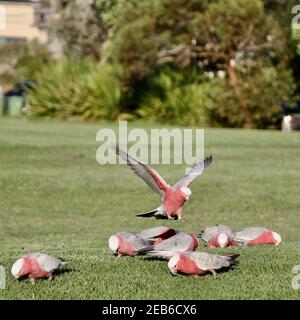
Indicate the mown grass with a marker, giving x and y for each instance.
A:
(55, 198)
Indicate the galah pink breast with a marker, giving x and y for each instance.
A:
(180, 242)
(157, 234)
(127, 243)
(173, 197)
(36, 266)
(218, 236)
(198, 263)
(257, 235)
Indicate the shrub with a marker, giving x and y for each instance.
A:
(70, 88)
(255, 102)
(21, 61)
(174, 102)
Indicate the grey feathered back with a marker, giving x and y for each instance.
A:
(179, 242)
(249, 233)
(154, 232)
(207, 261)
(46, 262)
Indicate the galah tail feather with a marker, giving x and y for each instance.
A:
(173, 197)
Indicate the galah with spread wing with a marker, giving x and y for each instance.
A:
(196, 263)
(257, 235)
(36, 266)
(157, 234)
(173, 197)
(127, 243)
(180, 242)
(218, 236)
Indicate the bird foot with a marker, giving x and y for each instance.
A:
(32, 280)
(213, 273)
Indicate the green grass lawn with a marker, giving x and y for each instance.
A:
(55, 198)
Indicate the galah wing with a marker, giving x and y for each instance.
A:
(209, 261)
(148, 174)
(48, 263)
(248, 234)
(180, 242)
(196, 170)
(157, 232)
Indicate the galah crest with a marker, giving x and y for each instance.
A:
(196, 263)
(257, 235)
(218, 236)
(36, 266)
(127, 243)
(173, 197)
(180, 242)
(157, 234)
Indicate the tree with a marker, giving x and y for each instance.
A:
(233, 39)
(79, 28)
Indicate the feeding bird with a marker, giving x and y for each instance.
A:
(218, 235)
(36, 266)
(257, 235)
(127, 243)
(196, 263)
(173, 197)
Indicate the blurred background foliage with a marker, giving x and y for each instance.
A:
(227, 63)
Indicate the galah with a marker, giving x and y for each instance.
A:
(173, 197)
(157, 234)
(257, 235)
(127, 243)
(196, 263)
(180, 242)
(218, 236)
(36, 266)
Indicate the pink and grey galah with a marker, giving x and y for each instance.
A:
(173, 197)
(218, 236)
(257, 235)
(196, 263)
(180, 242)
(127, 243)
(36, 266)
(132, 244)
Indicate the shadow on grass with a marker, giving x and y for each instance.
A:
(219, 271)
(60, 272)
